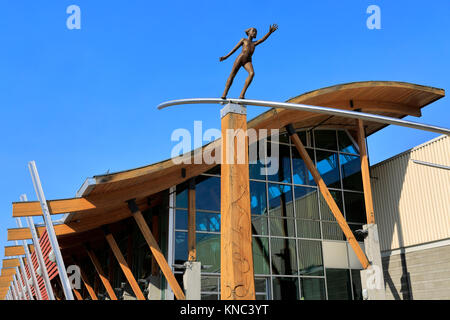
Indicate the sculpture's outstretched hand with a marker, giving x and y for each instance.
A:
(222, 58)
(273, 28)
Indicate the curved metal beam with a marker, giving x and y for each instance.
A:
(316, 109)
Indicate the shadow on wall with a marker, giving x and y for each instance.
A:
(389, 186)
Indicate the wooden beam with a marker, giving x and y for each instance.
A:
(123, 265)
(156, 251)
(7, 278)
(365, 173)
(8, 271)
(33, 208)
(236, 275)
(192, 252)
(328, 197)
(101, 273)
(11, 251)
(11, 263)
(85, 280)
(77, 294)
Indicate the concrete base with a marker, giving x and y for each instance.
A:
(372, 279)
(192, 280)
(154, 288)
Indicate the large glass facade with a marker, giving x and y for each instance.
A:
(295, 235)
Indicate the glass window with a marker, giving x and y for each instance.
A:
(308, 229)
(208, 251)
(261, 285)
(306, 203)
(327, 165)
(310, 258)
(325, 211)
(257, 170)
(332, 231)
(301, 173)
(258, 198)
(313, 289)
(282, 227)
(355, 208)
(338, 284)
(207, 193)
(204, 221)
(325, 139)
(285, 288)
(182, 196)
(351, 172)
(284, 258)
(356, 282)
(259, 225)
(209, 297)
(280, 200)
(209, 284)
(181, 247)
(283, 173)
(355, 228)
(303, 139)
(345, 143)
(261, 258)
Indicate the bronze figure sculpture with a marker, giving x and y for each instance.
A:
(244, 59)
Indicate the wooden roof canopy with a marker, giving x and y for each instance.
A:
(104, 203)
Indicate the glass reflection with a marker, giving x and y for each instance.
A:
(258, 198)
(300, 172)
(338, 284)
(313, 289)
(284, 165)
(207, 193)
(355, 208)
(345, 143)
(285, 288)
(351, 172)
(328, 167)
(325, 139)
(306, 204)
(284, 260)
(261, 259)
(208, 251)
(310, 258)
(280, 200)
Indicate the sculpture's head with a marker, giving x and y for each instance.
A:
(251, 32)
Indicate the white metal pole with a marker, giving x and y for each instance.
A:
(19, 293)
(13, 290)
(28, 257)
(51, 232)
(25, 276)
(22, 280)
(40, 259)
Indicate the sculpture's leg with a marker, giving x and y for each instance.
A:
(249, 67)
(233, 73)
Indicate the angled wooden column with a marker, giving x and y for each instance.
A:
(192, 251)
(328, 197)
(77, 294)
(101, 273)
(236, 256)
(156, 251)
(85, 280)
(365, 173)
(123, 264)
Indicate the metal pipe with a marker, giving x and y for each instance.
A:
(316, 109)
(16, 285)
(28, 257)
(40, 259)
(51, 232)
(21, 279)
(25, 276)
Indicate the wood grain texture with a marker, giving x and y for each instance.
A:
(237, 277)
(33, 208)
(124, 266)
(365, 173)
(14, 251)
(11, 263)
(102, 275)
(330, 201)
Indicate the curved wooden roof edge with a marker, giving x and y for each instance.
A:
(431, 94)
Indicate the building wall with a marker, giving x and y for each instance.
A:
(412, 201)
(418, 275)
(412, 210)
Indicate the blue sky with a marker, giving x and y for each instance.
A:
(82, 102)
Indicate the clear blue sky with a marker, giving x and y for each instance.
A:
(81, 102)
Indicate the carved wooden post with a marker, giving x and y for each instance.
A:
(237, 277)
